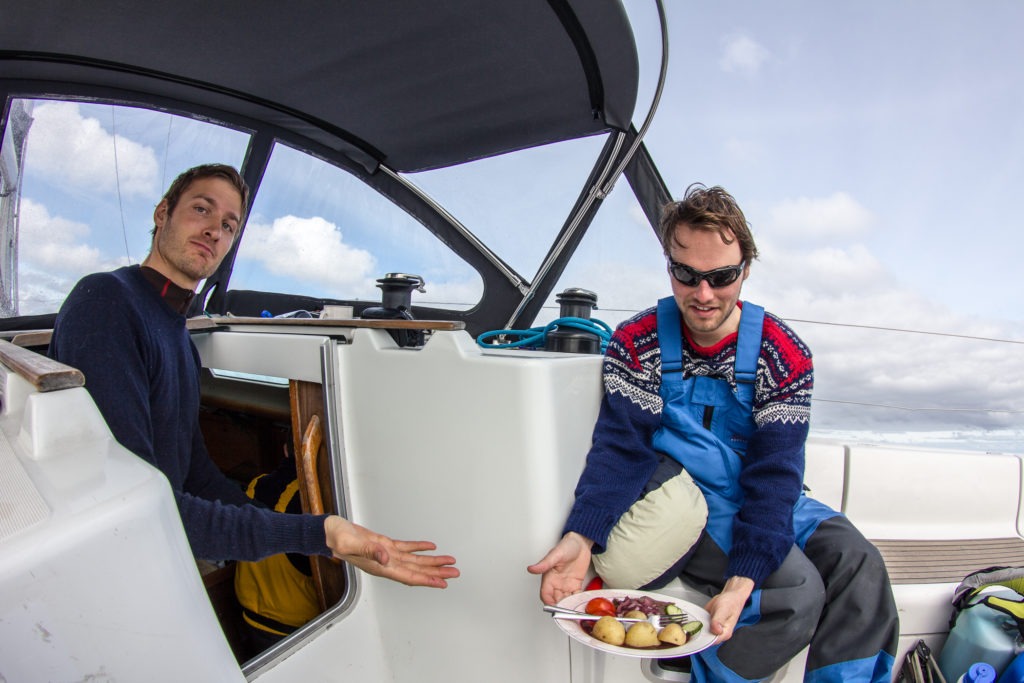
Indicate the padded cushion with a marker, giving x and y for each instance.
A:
(653, 534)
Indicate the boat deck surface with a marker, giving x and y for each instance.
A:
(947, 561)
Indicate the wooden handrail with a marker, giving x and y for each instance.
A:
(43, 373)
(35, 338)
(204, 323)
(309, 456)
(309, 484)
(200, 323)
(43, 337)
(390, 324)
(314, 472)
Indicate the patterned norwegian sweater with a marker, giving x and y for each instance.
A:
(622, 459)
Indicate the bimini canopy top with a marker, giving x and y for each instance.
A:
(410, 84)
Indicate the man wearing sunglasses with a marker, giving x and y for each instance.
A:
(696, 471)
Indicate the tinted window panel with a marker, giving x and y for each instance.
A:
(92, 174)
(316, 230)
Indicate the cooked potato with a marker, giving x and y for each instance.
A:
(642, 634)
(672, 634)
(634, 614)
(609, 630)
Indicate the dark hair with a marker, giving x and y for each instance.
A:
(183, 181)
(708, 208)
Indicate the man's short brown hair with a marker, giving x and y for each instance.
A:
(708, 208)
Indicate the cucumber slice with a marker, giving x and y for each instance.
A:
(673, 609)
(692, 628)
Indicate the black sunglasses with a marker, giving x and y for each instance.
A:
(719, 277)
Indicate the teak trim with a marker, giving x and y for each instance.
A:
(43, 373)
(390, 324)
(203, 323)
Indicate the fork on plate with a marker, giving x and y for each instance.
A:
(658, 621)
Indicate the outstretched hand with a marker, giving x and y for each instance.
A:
(564, 568)
(724, 609)
(382, 556)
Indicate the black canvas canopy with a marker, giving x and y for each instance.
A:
(371, 86)
(412, 84)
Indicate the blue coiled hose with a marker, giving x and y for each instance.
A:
(535, 337)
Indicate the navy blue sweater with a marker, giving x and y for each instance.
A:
(142, 370)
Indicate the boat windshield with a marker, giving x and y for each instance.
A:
(316, 230)
(516, 204)
(89, 175)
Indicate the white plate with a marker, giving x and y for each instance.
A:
(703, 640)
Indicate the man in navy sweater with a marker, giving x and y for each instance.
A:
(696, 470)
(125, 330)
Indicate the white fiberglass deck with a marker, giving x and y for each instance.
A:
(97, 581)
(476, 450)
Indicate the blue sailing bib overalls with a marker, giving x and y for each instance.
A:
(706, 424)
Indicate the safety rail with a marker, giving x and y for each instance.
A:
(43, 373)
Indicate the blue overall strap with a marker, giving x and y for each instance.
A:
(748, 349)
(670, 337)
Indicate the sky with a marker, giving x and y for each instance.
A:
(875, 148)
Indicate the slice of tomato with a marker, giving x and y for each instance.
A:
(601, 607)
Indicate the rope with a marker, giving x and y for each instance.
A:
(535, 337)
(117, 182)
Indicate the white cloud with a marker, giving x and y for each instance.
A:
(820, 275)
(742, 54)
(52, 257)
(831, 218)
(312, 250)
(866, 376)
(878, 376)
(870, 373)
(913, 381)
(76, 151)
(41, 292)
(49, 242)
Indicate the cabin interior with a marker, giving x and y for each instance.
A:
(253, 429)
